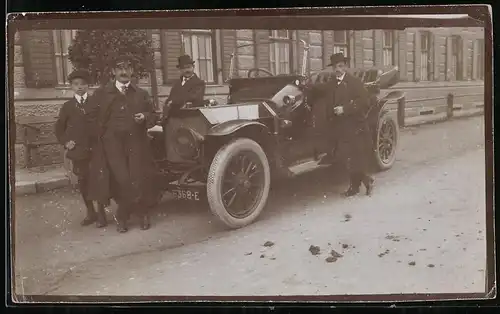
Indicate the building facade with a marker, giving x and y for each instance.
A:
(422, 55)
(432, 62)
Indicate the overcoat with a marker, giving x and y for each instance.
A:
(348, 131)
(192, 91)
(141, 169)
(355, 140)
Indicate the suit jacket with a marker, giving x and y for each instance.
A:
(192, 91)
(73, 125)
(352, 95)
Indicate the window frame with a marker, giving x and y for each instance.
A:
(342, 46)
(456, 59)
(61, 53)
(480, 58)
(274, 40)
(388, 47)
(425, 37)
(189, 33)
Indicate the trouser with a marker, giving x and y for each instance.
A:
(357, 160)
(119, 154)
(81, 170)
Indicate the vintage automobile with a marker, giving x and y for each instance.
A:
(227, 154)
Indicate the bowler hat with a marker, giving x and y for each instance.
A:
(184, 60)
(336, 58)
(82, 74)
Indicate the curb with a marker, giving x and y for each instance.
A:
(26, 188)
(442, 117)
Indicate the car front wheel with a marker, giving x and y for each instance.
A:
(238, 182)
(386, 142)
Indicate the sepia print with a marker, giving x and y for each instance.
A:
(251, 156)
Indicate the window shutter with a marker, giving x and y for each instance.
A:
(39, 63)
(378, 41)
(228, 45)
(262, 51)
(173, 49)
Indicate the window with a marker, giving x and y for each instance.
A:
(280, 51)
(198, 43)
(456, 51)
(62, 41)
(388, 48)
(425, 56)
(480, 59)
(341, 42)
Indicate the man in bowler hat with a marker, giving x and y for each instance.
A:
(188, 90)
(350, 106)
(124, 167)
(73, 130)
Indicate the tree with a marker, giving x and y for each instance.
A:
(94, 50)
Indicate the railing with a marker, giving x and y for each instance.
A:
(449, 104)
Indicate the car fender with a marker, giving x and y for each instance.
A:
(229, 127)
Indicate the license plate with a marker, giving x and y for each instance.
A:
(188, 195)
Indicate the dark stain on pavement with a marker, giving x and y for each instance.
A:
(315, 250)
(384, 253)
(269, 243)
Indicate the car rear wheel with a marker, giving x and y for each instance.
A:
(238, 182)
(386, 142)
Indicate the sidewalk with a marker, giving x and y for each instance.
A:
(32, 181)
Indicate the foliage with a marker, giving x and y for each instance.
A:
(94, 50)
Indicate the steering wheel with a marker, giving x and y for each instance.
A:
(256, 71)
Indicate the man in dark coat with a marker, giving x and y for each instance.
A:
(73, 131)
(188, 90)
(124, 166)
(350, 106)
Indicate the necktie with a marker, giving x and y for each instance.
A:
(183, 81)
(124, 89)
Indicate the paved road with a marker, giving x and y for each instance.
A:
(421, 232)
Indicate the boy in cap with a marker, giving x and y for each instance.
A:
(73, 132)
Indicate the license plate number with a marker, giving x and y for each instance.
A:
(186, 195)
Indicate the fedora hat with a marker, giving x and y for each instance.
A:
(184, 60)
(336, 58)
(81, 74)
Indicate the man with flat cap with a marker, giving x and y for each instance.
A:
(188, 90)
(348, 117)
(125, 167)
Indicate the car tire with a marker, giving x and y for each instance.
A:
(386, 139)
(219, 181)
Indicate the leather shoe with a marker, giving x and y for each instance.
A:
(101, 221)
(145, 223)
(351, 192)
(88, 220)
(121, 227)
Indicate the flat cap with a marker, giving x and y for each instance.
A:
(123, 59)
(82, 74)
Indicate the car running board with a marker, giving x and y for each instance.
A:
(307, 166)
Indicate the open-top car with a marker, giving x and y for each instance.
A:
(227, 154)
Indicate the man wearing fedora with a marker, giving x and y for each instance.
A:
(348, 116)
(123, 166)
(188, 90)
